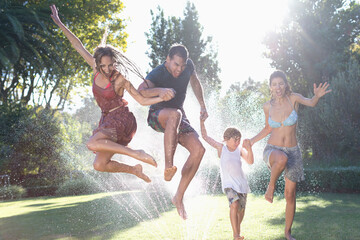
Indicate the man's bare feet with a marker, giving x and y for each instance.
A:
(169, 173)
(139, 173)
(180, 207)
(289, 237)
(269, 194)
(146, 158)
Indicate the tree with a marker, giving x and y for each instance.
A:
(320, 42)
(314, 43)
(187, 31)
(31, 144)
(27, 54)
(37, 63)
(335, 122)
(242, 104)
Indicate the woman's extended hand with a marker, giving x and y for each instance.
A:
(54, 14)
(321, 90)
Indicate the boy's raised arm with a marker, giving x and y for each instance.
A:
(208, 139)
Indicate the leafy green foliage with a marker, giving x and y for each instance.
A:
(320, 42)
(12, 192)
(78, 187)
(242, 104)
(335, 121)
(37, 63)
(313, 44)
(187, 31)
(31, 144)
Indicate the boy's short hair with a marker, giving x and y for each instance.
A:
(231, 133)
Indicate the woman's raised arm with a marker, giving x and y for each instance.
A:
(75, 42)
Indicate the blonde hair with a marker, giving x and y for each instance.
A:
(231, 133)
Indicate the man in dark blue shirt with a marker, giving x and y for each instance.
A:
(173, 77)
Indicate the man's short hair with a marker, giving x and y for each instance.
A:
(178, 50)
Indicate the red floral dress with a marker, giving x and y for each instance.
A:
(116, 120)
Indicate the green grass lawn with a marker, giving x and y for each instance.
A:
(140, 215)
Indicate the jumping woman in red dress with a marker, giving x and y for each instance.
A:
(117, 125)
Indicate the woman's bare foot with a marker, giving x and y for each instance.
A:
(169, 173)
(139, 173)
(179, 207)
(239, 238)
(269, 194)
(288, 236)
(146, 158)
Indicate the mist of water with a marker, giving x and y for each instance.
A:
(156, 196)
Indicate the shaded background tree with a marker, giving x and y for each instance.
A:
(314, 42)
(37, 63)
(39, 69)
(319, 42)
(187, 31)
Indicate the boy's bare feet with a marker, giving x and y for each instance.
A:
(146, 158)
(139, 173)
(169, 173)
(269, 194)
(180, 207)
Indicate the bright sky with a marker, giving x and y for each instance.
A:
(237, 27)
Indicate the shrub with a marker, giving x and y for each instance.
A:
(331, 129)
(12, 192)
(334, 179)
(210, 176)
(78, 187)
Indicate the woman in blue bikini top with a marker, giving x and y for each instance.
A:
(279, 152)
(283, 133)
(289, 121)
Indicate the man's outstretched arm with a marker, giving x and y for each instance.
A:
(198, 91)
(148, 89)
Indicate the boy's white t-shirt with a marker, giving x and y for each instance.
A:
(232, 175)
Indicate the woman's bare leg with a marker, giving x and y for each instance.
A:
(278, 162)
(290, 196)
(101, 143)
(103, 163)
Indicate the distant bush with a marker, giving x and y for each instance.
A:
(331, 129)
(334, 179)
(41, 191)
(210, 176)
(78, 187)
(12, 192)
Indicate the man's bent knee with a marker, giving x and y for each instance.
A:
(99, 166)
(174, 114)
(201, 151)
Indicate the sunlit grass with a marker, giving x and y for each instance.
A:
(138, 215)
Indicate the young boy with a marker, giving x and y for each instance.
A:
(233, 179)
